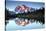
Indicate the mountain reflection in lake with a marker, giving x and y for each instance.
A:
(23, 24)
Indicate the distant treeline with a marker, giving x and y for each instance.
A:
(38, 15)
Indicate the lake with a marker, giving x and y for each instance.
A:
(12, 26)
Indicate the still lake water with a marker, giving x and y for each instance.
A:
(12, 26)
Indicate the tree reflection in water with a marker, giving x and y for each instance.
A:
(6, 22)
(24, 21)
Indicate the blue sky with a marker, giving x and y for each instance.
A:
(28, 0)
(11, 5)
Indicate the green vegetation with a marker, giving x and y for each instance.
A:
(36, 15)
